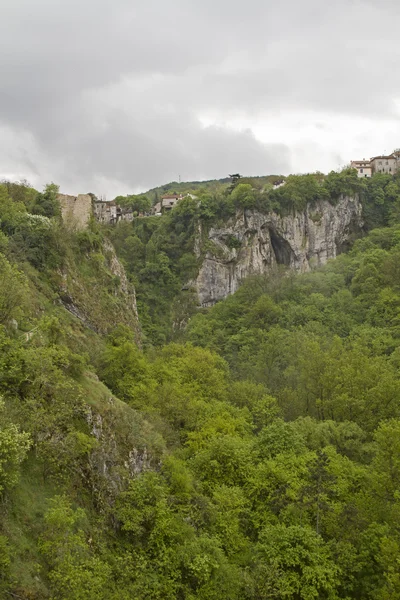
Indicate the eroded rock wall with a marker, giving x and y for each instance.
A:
(254, 243)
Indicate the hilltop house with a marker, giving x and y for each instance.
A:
(168, 202)
(384, 164)
(363, 167)
(111, 212)
(377, 164)
(278, 183)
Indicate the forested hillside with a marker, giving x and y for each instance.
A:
(249, 451)
(162, 255)
(212, 186)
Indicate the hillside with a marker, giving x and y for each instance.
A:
(201, 250)
(210, 185)
(246, 451)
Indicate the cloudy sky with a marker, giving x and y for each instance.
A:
(117, 96)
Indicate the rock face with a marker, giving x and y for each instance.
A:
(254, 243)
(118, 270)
(102, 297)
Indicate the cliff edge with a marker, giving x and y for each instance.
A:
(252, 243)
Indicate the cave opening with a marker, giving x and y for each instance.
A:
(282, 250)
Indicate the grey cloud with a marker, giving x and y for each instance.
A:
(109, 92)
(139, 158)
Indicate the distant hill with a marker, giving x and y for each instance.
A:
(210, 185)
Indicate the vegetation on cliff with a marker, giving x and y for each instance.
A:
(256, 457)
(159, 252)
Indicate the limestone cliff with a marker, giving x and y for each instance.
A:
(253, 243)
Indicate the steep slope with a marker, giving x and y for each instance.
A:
(96, 290)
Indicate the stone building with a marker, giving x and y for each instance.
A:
(77, 210)
(111, 213)
(364, 168)
(384, 164)
(377, 164)
(168, 202)
(105, 212)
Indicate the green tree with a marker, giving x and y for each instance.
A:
(75, 571)
(14, 446)
(47, 203)
(13, 290)
(293, 562)
(244, 196)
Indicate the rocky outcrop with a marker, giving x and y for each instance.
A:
(254, 243)
(113, 462)
(96, 290)
(118, 271)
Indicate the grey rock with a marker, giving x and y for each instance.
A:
(253, 243)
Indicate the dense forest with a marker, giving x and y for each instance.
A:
(250, 453)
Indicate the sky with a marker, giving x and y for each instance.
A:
(118, 96)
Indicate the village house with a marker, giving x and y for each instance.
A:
(384, 164)
(364, 168)
(278, 183)
(168, 202)
(157, 209)
(110, 212)
(105, 212)
(377, 164)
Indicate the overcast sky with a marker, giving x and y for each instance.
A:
(117, 96)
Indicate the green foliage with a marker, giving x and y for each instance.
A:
(20, 192)
(293, 562)
(163, 254)
(298, 192)
(13, 291)
(14, 446)
(137, 203)
(126, 372)
(47, 204)
(158, 255)
(257, 458)
(75, 572)
(243, 196)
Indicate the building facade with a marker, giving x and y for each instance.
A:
(364, 168)
(110, 212)
(168, 202)
(384, 164)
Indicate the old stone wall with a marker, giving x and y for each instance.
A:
(76, 210)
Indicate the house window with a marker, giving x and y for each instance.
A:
(390, 169)
(361, 170)
(387, 162)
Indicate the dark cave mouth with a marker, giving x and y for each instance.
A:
(282, 250)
